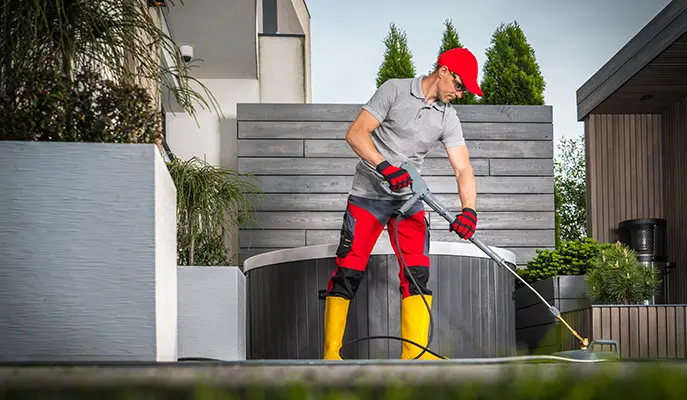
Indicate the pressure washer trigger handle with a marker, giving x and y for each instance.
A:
(386, 187)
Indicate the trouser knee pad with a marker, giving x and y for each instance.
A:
(408, 287)
(344, 282)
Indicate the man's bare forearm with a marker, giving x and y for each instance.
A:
(467, 188)
(361, 143)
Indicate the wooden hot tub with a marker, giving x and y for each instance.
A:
(473, 311)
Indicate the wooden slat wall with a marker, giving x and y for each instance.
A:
(624, 170)
(582, 322)
(675, 164)
(306, 168)
(636, 169)
(642, 332)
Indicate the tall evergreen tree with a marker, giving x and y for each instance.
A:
(511, 73)
(450, 40)
(570, 185)
(398, 60)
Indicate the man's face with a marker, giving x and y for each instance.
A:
(451, 86)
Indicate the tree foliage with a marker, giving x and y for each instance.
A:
(511, 72)
(398, 60)
(118, 38)
(451, 40)
(570, 186)
(46, 105)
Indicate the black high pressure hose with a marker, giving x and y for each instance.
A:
(429, 310)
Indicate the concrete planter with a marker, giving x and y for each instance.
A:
(87, 253)
(212, 313)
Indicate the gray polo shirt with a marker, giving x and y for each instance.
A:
(409, 128)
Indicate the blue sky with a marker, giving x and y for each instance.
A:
(571, 39)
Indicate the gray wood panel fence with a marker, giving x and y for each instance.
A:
(306, 169)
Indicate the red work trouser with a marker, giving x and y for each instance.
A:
(363, 222)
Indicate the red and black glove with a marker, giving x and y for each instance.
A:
(465, 223)
(398, 178)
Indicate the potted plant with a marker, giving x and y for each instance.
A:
(87, 223)
(212, 202)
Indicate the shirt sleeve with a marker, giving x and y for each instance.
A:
(452, 135)
(381, 101)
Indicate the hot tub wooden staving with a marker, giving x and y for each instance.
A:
(473, 311)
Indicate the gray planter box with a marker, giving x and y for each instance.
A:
(537, 331)
(212, 313)
(87, 253)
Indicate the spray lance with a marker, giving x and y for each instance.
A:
(421, 192)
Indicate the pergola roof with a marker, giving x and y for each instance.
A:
(647, 75)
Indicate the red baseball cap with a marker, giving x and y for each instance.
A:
(463, 63)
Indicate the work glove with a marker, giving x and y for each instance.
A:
(398, 178)
(465, 223)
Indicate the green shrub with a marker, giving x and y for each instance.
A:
(617, 277)
(210, 201)
(572, 258)
(47, 105)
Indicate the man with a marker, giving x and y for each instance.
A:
(401, 122)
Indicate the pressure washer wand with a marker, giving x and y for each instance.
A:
(436, 205)
(422, 192)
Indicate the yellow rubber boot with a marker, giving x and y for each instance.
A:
(415, 327)
(335, 314)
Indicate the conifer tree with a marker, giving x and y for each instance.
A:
(398, 60)
(511, 73)
(570, 185)
(450, 40)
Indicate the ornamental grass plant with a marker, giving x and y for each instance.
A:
(210, 201)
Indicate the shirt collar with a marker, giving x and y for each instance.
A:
(416, 90)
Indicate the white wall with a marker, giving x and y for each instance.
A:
(287, 17)
(211, 138)
(282, 71)
(304, 18)
(222, 33)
